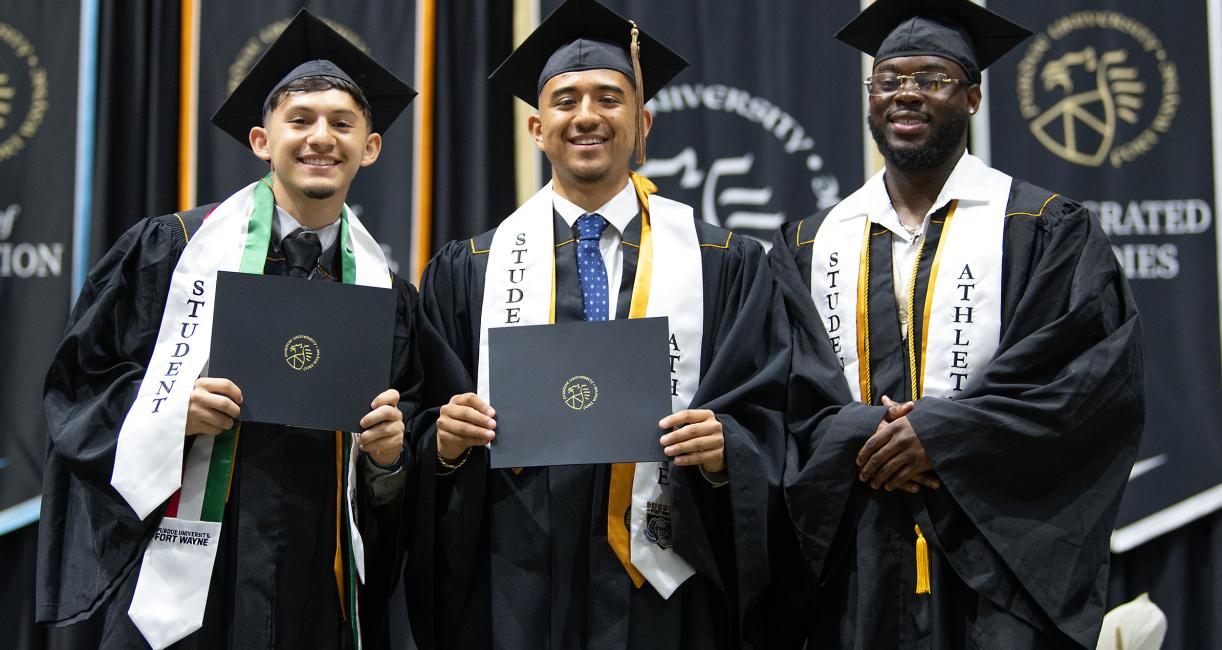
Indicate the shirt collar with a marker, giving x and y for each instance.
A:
(965, 183)
(285, 224)
(619, 211)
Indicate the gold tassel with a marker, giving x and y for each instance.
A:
(635, 51)
(922, 563)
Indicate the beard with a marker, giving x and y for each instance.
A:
(943, 144)
(318, 192)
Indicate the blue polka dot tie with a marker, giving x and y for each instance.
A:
(591, 270)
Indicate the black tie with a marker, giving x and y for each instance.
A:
(301, 251)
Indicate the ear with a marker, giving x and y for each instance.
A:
(373, 148)
(646, 121)
(534, 125)
(259, 143)
(973, 98)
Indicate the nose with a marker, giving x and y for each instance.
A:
(908, 87)
(320, 135)
(586, 117)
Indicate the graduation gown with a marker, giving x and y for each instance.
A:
(1032, 459)
(521, 560)
(273, 583)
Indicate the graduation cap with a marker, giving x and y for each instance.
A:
(959, 30)
(309, 47)
(585, 35)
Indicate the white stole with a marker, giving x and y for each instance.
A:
(176, 569)
(962, 311)
(519, 289)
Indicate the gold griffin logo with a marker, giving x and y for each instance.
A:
(301, 352)
(23, 91)
(258, 43)
(579, 393)
(1089, 103)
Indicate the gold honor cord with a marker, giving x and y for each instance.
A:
(933, 277)
(619, 496)
(338, 564)
(916, 375)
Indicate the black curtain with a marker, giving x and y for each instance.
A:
(136, 161)
(473, 163)
(135, 175)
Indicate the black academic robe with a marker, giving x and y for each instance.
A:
(1033, 459)
(273, 584)
(521, 560)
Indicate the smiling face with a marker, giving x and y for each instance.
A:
(914, 130)
(587, 127)
(315, 142)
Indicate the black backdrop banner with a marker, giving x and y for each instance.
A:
(38, 89)
(1109, 103)
(753, 134)
(136, 122)
(381, 193)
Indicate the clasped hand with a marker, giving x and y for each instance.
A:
(894, 458)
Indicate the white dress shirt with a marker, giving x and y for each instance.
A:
(618, 212)
(904, 245)
(285, 224)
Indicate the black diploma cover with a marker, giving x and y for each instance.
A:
(583, 392)
(304, 353)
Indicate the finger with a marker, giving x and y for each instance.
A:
(903, 477)
(880, 438)
(220, 386)
(384, 413)
(213, 420)
(703, 458)
(880, 457)
(701, 444)
(460, 429)
(927, 479)
(887, 470)
(686, 416)
(381, 431)
(468, 415)
(380, 441)
(690, 431)
(389, 397)
(216, 402)
(895, 410)
(475, 402)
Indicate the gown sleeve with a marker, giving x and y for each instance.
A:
(730, 533)
(448, 509)
(1037, 454)
(385, 512)
(88, 535)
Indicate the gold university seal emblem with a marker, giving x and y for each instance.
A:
(301, 352)
(579, 393)
(1097, 86)
(23, 91)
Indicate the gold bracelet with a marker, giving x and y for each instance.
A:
(451, 466)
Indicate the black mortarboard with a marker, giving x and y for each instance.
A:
(959, 30)
(584, 35)
(309, 47)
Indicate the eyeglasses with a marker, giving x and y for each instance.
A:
(928, 83)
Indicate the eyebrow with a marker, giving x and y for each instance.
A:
(303, 107)
(933, 66)
(612, 88)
